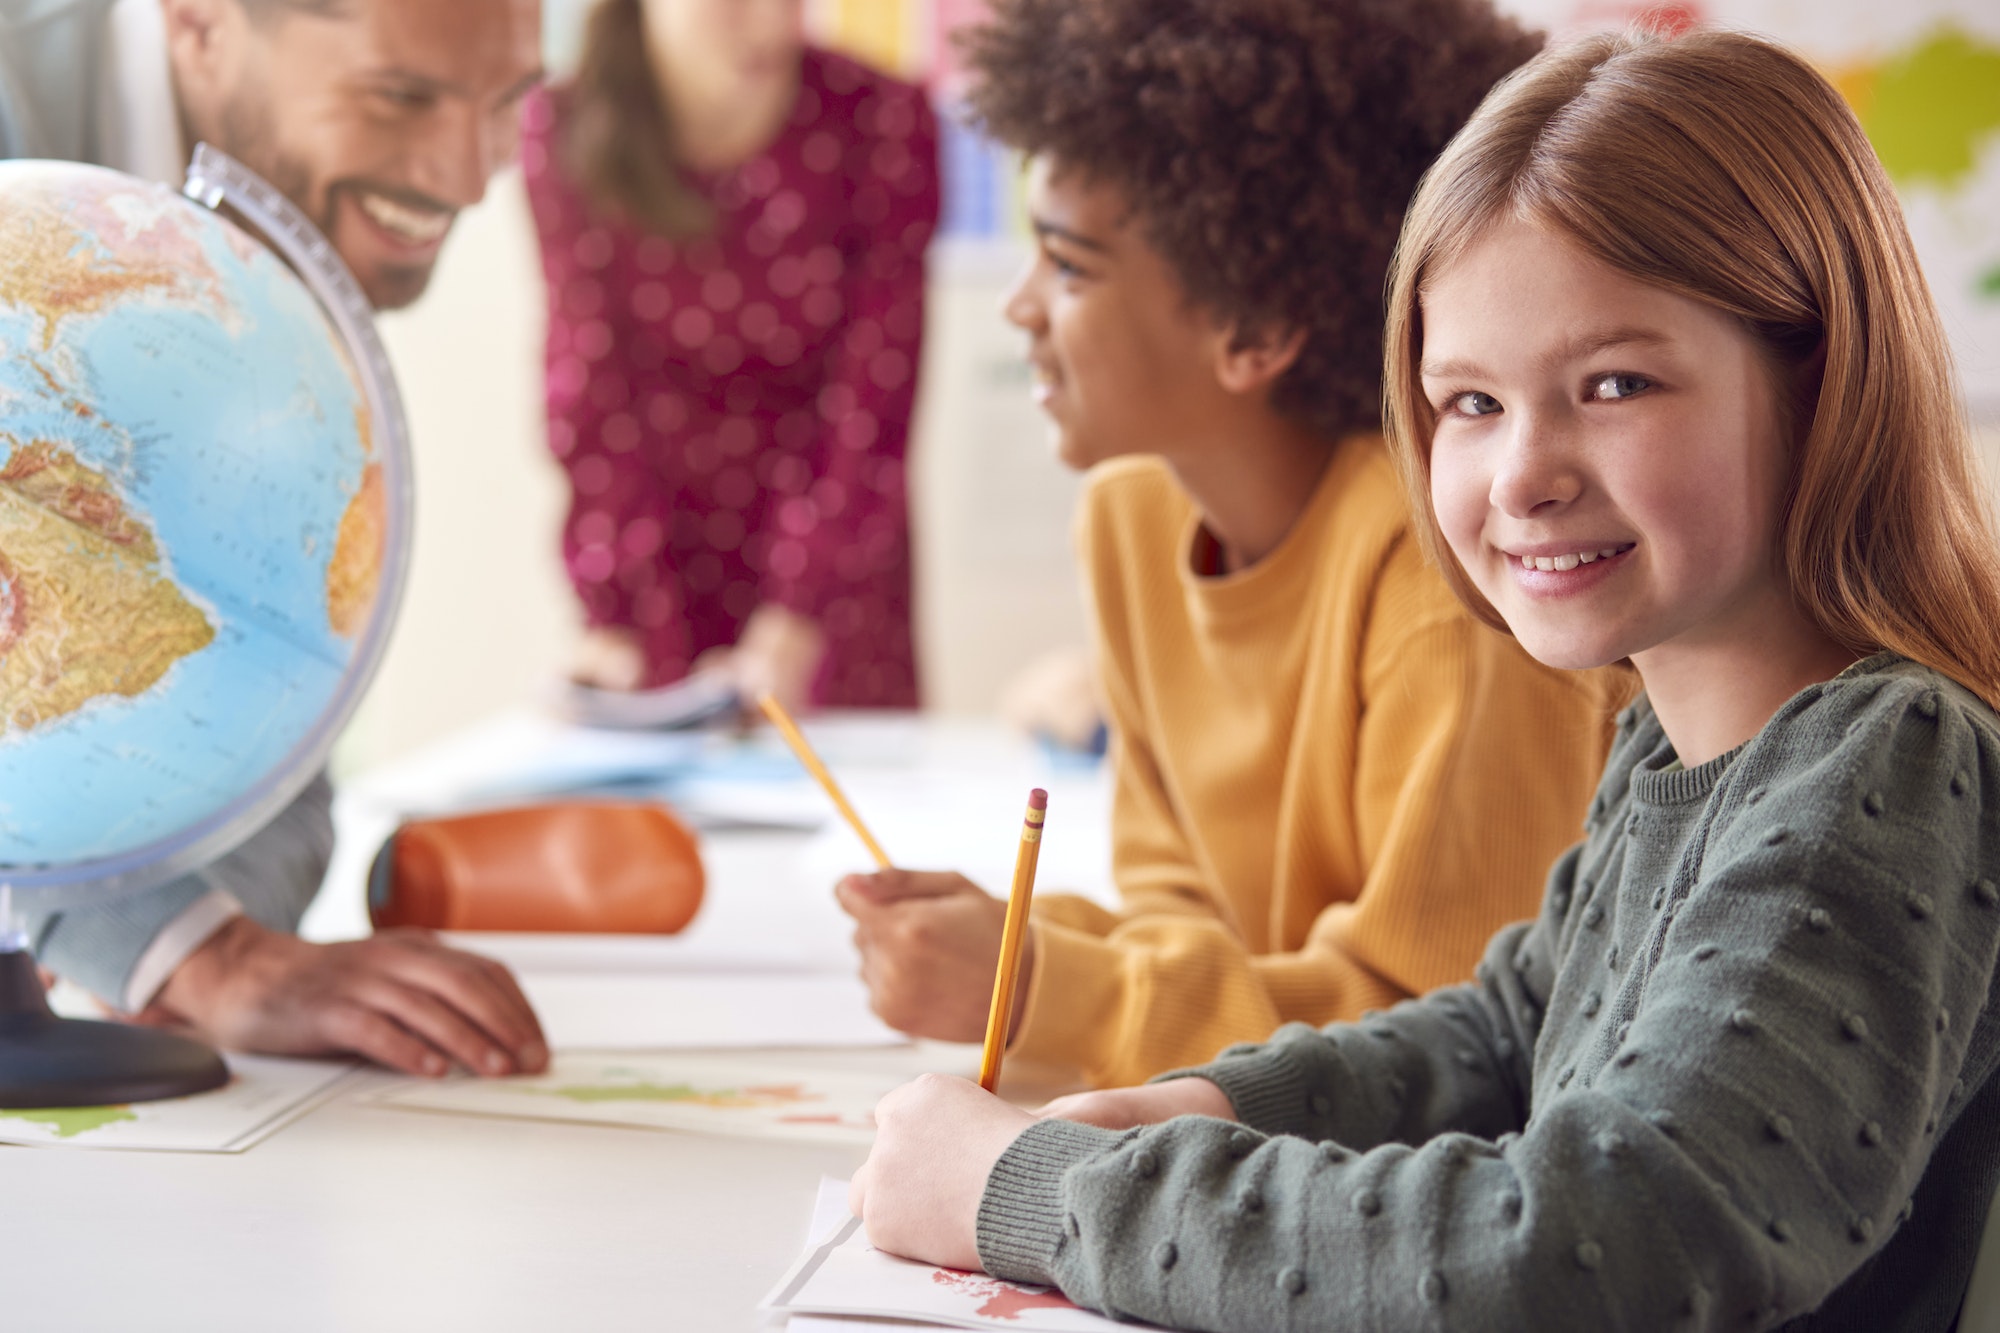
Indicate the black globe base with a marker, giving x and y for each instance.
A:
(47, 1061)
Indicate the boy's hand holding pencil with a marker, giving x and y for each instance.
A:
(928, 939)
(938, 1138)
(928, 943)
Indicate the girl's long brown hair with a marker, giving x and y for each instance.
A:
(1722, 167)
(615, 140)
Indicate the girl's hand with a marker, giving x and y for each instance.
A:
(1127, 1108)
(936, 1140)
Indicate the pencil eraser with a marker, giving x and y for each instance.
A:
(1038, 799)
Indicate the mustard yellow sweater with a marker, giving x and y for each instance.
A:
(1332, 785)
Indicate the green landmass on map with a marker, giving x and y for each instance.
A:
(70, 1121)
(1931, 108)
(683, 1093)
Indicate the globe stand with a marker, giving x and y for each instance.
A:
(47, 1061)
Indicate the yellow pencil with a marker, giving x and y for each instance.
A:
(1001, 1016)
(796, 739)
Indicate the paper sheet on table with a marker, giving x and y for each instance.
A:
(842, 1274)
(263, 1093)
(829, 1215)
(640, 1012)
(691, 702)
(715, 1095)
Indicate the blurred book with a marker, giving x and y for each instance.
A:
(695, 701)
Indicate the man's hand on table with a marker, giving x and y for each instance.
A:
(930, 943)
(401, 998)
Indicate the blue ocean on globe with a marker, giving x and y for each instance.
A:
(217, 406)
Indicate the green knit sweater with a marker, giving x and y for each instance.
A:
(1738, 1074)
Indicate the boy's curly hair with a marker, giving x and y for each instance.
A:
(1268, 148)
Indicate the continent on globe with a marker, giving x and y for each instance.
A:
(85, 611)
(48, 272)
(356, 567)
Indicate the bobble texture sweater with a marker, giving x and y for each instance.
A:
(1738, 1074)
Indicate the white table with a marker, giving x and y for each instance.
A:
(359, 1217)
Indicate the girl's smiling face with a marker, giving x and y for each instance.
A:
(1609, 460)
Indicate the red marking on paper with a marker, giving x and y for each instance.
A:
(1001, 1300)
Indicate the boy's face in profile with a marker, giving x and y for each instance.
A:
(1124, 363)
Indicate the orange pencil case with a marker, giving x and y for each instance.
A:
(627, 867)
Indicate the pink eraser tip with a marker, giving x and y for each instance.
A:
(1038, 799)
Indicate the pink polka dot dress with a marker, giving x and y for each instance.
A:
(733, 410)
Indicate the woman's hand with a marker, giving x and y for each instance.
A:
(936, 1141)
(1149, 1104)
(778, 650)
(609, 658)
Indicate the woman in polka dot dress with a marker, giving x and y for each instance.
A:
(733, 229)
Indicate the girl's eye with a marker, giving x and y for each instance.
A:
(1606, 387)
(1474, 404)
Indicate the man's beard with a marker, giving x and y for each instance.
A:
(250, 142)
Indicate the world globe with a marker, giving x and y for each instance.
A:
(204, 519)
(195, 525)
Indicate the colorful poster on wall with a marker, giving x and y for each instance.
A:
(1923, 77)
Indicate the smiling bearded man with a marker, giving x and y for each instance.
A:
(381, 119)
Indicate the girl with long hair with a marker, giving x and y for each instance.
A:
(1667, 388)
(733, 227)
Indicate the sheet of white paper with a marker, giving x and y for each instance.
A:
(716, 1095)
(262, 1094)
(829, 1210)
(843, 1275)
(829, 1215)
(689, 702)
(847, 1323)
(639, 1012)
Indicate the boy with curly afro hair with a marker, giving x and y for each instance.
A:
(1317, 753)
